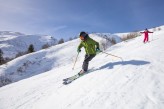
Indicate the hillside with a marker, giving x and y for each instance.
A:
(134, 83)
(44, 60)
(11, 43)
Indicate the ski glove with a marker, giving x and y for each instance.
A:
(78, 50)
(98, 50)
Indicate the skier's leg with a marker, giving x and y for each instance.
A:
(86, 61)
(144, 39)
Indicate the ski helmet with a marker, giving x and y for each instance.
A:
(83, 35)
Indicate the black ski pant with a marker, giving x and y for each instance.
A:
(88, 57)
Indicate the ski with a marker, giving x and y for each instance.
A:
(74, 77)
(71, 79)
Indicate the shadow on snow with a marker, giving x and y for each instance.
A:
(130, 62)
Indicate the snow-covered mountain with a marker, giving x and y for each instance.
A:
(11, 43)
(134, 83)
(114, 37)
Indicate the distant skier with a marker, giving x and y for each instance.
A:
(146, 38)
(91, 48)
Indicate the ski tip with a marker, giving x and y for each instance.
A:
(66, 83)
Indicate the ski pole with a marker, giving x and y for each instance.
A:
(75, 61)
(112, 55)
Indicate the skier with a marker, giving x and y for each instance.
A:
(91, 48)
(146, 38)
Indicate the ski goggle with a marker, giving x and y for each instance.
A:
(82, 37)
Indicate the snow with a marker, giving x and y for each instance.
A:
(11, 43)
(134, 83)
(116, 37)
(42, 61)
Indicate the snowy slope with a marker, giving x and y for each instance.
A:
(38, 62)
(135, 83)
(41, 61)
(11, 43)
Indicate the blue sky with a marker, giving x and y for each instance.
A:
(66, 18)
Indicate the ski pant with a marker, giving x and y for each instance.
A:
(146, 38)
(88, 57)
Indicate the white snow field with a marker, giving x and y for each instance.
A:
(137, 82)
(11, 43)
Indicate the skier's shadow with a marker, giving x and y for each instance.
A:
(130, 62)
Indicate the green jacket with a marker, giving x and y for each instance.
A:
(89, 45)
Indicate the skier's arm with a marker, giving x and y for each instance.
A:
(80, 46)
(97, 44)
